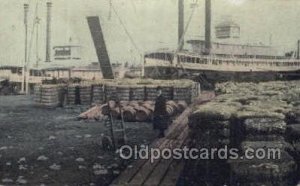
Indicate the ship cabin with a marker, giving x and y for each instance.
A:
(222, 54)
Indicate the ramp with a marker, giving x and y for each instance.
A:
(97, 35)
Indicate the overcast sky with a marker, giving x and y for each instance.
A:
(151, 23)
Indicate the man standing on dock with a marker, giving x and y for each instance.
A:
(160, 119)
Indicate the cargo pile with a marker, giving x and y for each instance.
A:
(131, 111)
(249, 115)
(88, 93)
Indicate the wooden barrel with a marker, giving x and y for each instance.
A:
(150, 92)
(148, 106)
(173, 104)
(129, 113)
(123, 92)
(170, 110)
(124, 103)
(182, 105)
(137, 93)
(134, 104)
(143, 114)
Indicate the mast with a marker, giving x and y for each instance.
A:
(26, 9)
(180, 24)
(207, 26)
(48, 33)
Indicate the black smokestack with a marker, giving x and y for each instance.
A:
(48, 33)
(298, 49)
(207, 26)
(180, 24)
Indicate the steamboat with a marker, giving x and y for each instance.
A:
(213, 62)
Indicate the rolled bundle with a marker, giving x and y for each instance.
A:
(91, 113)
(109, 106)
(182, 105)
(129, 113)
(143, 114)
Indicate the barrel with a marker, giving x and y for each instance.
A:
(137, 93)
(182, 105)
(148, 106)
(123, 92)
(129, 113)
(123, 103)
(143, 114)
(173, 104)
(170, 110)
(134, 104)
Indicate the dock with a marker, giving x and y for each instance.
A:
(162, 171)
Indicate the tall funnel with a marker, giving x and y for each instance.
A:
(180, 24)
(48, 33)
(207, 26)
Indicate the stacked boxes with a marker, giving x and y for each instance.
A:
(98, 94)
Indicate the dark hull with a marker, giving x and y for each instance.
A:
(220, 76)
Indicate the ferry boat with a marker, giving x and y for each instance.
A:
(217, 62)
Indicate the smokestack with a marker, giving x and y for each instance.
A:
(48, 33)
(180, 24)
(26, 9)
(298, 49)
(207, 26)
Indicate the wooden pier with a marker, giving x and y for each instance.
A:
(162, 171)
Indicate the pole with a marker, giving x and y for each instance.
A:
(298, 50)
(180, 24)
(207, 26)
(24, 70)
(48, 32)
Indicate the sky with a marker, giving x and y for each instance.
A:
(152, 24)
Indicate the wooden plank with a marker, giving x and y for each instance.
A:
(148, 167)
(173, 173)
(129, 173)
(161, 170)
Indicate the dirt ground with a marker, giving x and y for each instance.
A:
(41, 146)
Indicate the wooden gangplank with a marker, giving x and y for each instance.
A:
(162, 171)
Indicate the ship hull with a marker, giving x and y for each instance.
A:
(220, 76)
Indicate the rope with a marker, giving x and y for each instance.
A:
(32, 33)
(126, 30)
